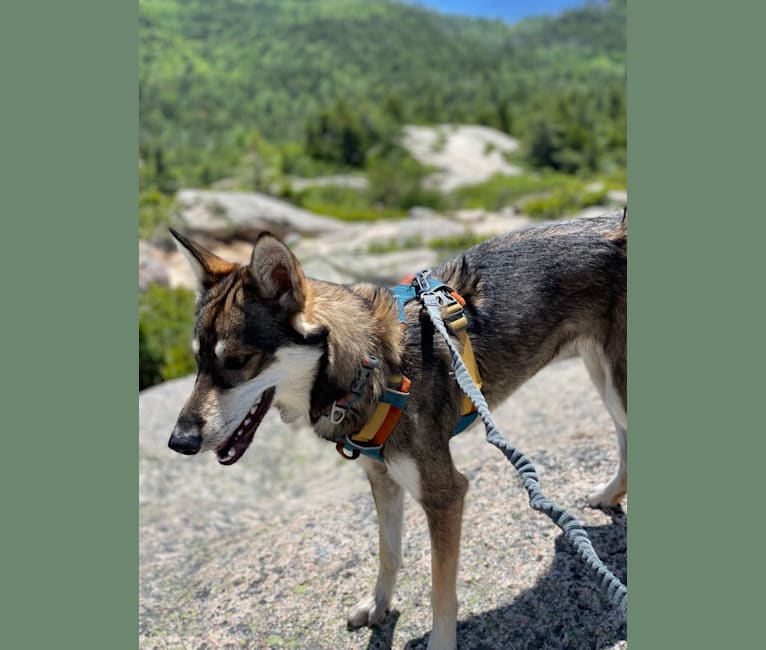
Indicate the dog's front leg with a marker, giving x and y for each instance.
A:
(389, 503)
(445, 513)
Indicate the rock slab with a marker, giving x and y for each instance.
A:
(273, 551)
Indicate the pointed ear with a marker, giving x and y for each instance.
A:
(208, 268)
(278, 275)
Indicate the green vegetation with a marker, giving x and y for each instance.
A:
(165, 326)
(344, 203)
(543, 196)
(395, 184)
(455, 244)
(323, 83)
(562, 201)
(503, 191)
(154, 209)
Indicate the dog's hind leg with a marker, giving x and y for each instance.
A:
(443, 506)
(610, 379)
(389, 503)
(610, 494)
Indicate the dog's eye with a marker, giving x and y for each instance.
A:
(237, 362)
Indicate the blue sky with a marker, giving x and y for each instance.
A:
(510, 10)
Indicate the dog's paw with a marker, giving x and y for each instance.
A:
(605, 496)
(367, 612)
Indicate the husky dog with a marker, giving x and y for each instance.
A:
(266, 334)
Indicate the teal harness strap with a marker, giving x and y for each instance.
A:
(464, 422)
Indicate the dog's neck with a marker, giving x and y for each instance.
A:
(360, 322)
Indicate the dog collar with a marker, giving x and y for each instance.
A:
(373, 436)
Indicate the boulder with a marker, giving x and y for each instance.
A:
(226, 216)
(462, 154)
(352, 181)
(151, 266)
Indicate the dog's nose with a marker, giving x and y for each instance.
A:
(184, 442)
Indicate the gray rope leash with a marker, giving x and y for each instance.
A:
(608, 583)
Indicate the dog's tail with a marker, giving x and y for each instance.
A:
(620, 234)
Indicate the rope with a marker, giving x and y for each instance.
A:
(608, 583)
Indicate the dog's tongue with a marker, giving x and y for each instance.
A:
(233, 449)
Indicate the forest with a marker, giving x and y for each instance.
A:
(313, 87)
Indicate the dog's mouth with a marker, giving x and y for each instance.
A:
(238, 442)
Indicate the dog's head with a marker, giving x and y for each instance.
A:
(252, 347)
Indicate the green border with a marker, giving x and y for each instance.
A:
(69, 462)
(696, 143)
(69, 193)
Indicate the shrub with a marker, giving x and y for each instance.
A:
(396, 180)
(154, 212)
(165, 326)
(503, 191)
(562, 202)
(346, 203)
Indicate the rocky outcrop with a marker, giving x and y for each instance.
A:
(227, 216)
(273, 551)
(384, 250)
(462, 154)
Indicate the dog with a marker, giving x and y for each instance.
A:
(266, 334)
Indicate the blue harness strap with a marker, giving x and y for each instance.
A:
(464, 422)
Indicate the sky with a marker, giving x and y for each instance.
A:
(509, 10)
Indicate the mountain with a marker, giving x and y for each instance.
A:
(213, 73)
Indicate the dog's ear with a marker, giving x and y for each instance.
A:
(208, 267)
(278, 277)
(277, 274)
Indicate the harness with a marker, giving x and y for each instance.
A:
(437, 298)
(370, 440)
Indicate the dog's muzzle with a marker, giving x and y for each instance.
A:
(184, 442)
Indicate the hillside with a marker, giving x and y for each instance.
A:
(214, 74)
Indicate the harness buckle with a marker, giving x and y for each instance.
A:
(337, 413)
(421, 278)
(440, 297)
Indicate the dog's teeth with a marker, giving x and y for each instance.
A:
(230, 452)
(252, 410)
(247, 421)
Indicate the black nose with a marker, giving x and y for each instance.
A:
(184, 442)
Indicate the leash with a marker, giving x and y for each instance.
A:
(609, 584)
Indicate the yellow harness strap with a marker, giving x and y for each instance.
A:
(387, 413)
(373, 425)
(458, 323)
